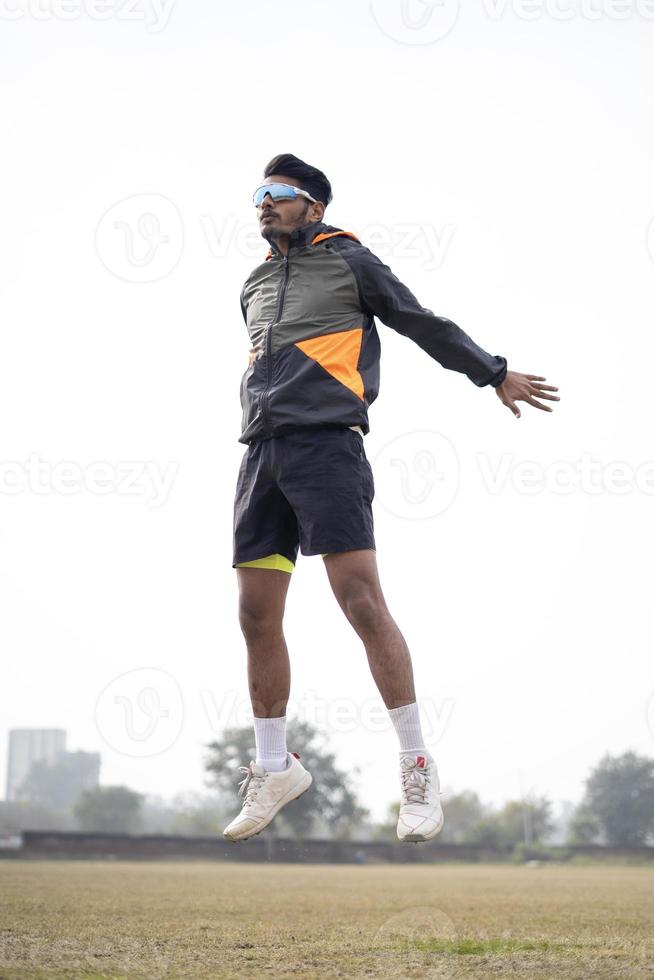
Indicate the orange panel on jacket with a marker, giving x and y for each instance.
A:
(338, 353)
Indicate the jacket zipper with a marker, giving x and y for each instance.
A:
(280, 309)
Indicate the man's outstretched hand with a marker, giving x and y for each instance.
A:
(518, 387)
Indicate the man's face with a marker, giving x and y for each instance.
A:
(283, 217)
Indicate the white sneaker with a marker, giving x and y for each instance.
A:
(264, 794)
(421, 815)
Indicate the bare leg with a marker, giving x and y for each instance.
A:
(355, 582)
(262, 599)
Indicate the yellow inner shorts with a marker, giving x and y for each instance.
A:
(271, 561)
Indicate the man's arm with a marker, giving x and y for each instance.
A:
(384, 296)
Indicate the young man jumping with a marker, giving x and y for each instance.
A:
(305, 482)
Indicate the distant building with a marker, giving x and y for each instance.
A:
(29, 745)
(42, 771)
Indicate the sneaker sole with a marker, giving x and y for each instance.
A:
(421, 838)
(290, 796)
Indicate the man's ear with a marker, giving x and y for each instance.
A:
(316, 211)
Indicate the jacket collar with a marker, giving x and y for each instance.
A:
(300, 237)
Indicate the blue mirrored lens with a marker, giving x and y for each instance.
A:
(276, 191)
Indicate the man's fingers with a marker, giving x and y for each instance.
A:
(541, 394)
(511, 405)
(531, 390)
(532, 401)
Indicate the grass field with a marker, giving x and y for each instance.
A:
(73, 919)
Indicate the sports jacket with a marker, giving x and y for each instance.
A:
(315, 350)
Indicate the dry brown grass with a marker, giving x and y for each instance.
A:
(73, 919)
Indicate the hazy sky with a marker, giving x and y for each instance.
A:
(499, 158)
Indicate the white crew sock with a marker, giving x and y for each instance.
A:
(270, 738)
(406, 722)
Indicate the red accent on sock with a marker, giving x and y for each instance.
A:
(420, 759)
(295, 754)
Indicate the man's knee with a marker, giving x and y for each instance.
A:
(364, 609)
(257, 620)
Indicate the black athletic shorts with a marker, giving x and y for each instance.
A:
(311, 489)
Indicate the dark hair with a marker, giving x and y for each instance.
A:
(309, 178)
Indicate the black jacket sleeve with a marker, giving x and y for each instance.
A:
(383, 295)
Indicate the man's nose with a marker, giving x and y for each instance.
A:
(268, 199)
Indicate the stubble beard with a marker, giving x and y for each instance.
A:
(270, 233)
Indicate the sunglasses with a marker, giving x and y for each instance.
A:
(279, 192)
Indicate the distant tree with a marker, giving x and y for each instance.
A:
(387, 829)
(512, 823)
(59, 784)
(620, 796)
(190, 814)
(584, 826)
(562, 823)
(462, 812)
(469, 821)
(485, 833)
(112, 809)
(206, 819)
(331, 796)
(532, 817)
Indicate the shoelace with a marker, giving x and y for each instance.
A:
(414, 784)
(251, 785)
